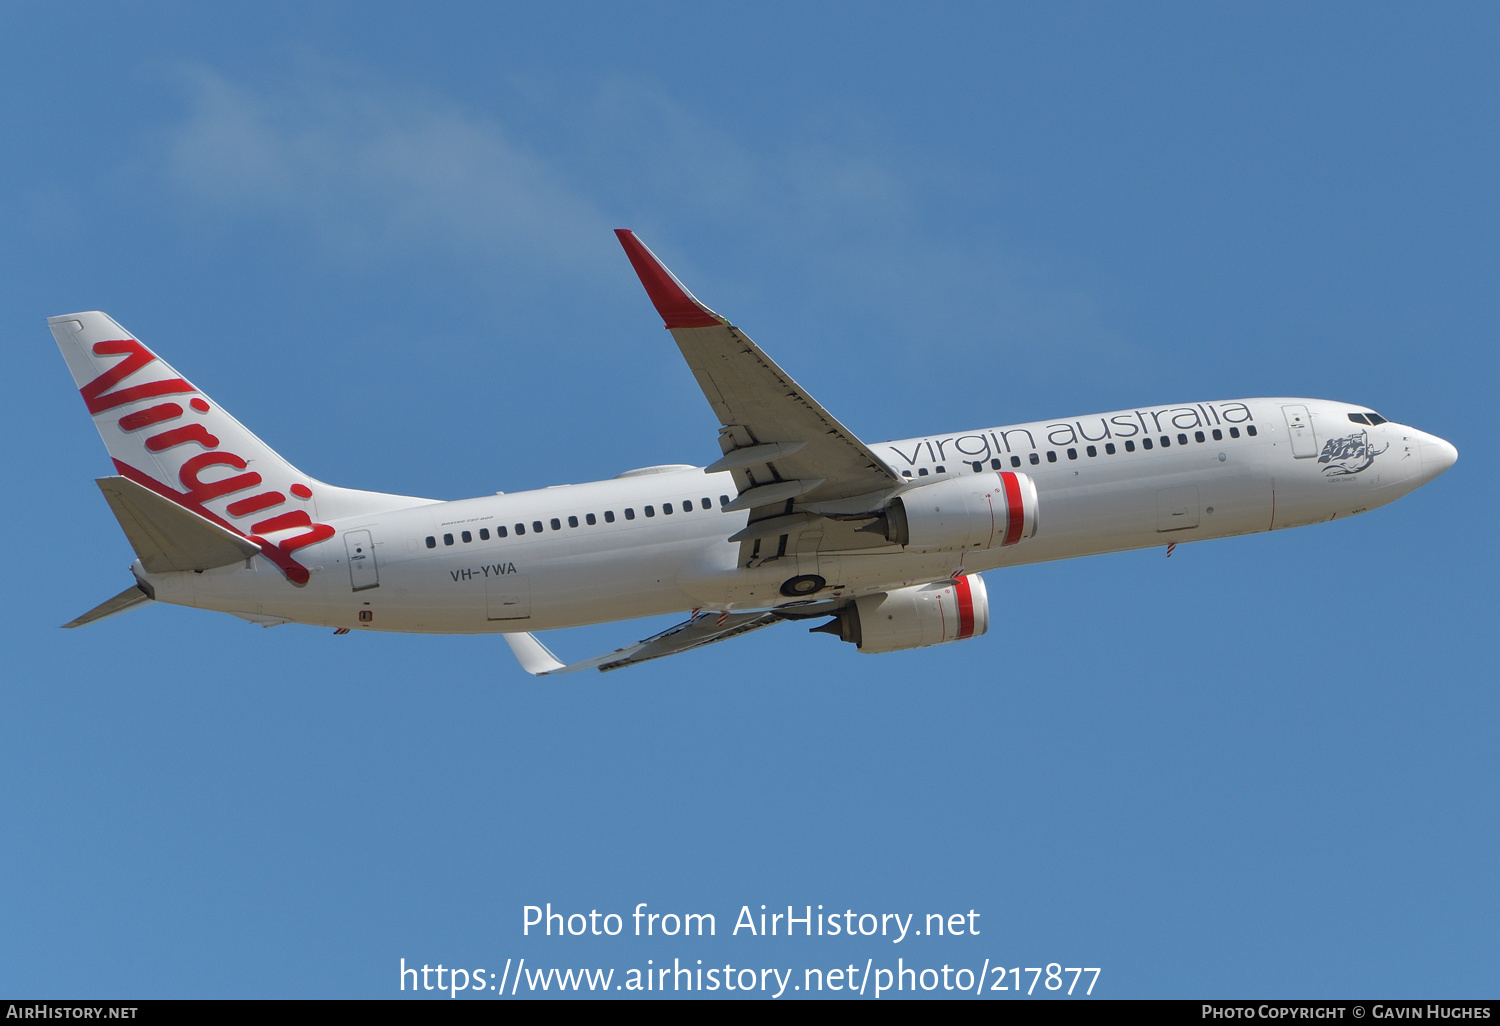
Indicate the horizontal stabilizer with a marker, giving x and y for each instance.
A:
(128, 599)
(701, 629)
(167, 537)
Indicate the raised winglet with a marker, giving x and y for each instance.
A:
(678, 307)
(533, 655)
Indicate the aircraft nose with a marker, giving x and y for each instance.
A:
(1437, 456)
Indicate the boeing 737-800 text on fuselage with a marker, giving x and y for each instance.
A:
(797, 519)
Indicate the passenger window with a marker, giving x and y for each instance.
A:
(687, 505)
(447, 539)
(590, 519)
(906, 473)
(977, 465)
(572, 521)
(1130, 446)
(484, 534)
(1234, 432)
(1146, 443)
(1015, 461)
(1218, 435)
(650, 511)
(609, 516)
(1072, 454)
(1035, 459)
(536, 526)
(1182, 439)
(723, 500)
(1092, 451)
(1051, 456)
(1109, 448)
(942, 469)
(704, 503)
(1198, 436)
(431, 542)
(467, 537)
(666, 508)
(922, 472)
(520, 530)
(556, 524)
(1250, 430)
(501, 532)
(1166, 441)
(995, 464)
(629, 513)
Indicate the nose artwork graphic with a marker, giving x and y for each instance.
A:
(1349, 455)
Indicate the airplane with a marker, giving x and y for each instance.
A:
(798, 519)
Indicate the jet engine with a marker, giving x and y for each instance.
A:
(961, 514)
(914, 617)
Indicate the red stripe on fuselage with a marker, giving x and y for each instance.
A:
(1015, 508)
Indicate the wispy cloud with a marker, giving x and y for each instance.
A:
(835, 198)
(369, 170)
(800, 176)
(374, 170)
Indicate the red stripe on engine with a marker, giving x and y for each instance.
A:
(965, 594)
(1015, 509)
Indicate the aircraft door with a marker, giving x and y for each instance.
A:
(508, 597)
(363, 573)
(1177, 508)
(1299, 428)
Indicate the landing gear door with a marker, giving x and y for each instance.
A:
(1299, 428)
(508, 597)
(363, 573)
(1177, 508)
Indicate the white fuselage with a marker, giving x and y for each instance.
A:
(399, 570)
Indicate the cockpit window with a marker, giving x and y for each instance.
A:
(1358, 418)
(1375, 418)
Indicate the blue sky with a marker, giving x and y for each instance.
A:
(381, 238)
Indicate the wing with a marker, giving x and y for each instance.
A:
(700, 629)
(785, 450)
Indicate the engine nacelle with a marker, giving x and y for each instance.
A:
(914, 617)
(961, 514)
